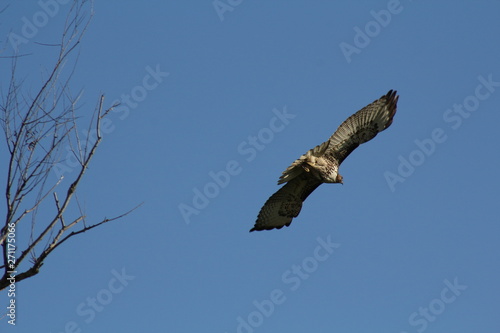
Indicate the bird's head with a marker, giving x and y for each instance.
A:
(340, 179)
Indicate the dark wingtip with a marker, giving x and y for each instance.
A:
(392, 95)
(392, 98)
(256, 228)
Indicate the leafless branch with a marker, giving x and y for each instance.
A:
(39, 129)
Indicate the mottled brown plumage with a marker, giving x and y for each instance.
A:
(320, 164)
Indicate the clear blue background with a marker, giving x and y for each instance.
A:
(397, 246)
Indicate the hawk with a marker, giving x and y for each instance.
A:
(321, 164)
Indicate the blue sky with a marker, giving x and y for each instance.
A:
(236, 91)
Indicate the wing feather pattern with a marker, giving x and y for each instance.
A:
(286, 203)
(362, 126)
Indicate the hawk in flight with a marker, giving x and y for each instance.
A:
(321, 164)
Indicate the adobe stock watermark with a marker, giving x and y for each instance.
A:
(249, 149)
(454, 118)
(223, 6)
(128, 101)
(88, 309)
(428, 314)
(32, 25)
(292, 278)
(363, 37)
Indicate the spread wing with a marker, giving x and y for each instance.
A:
(359, 128)
(362, 126)
(286, 203)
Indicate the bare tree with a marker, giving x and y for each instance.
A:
(39, 130)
